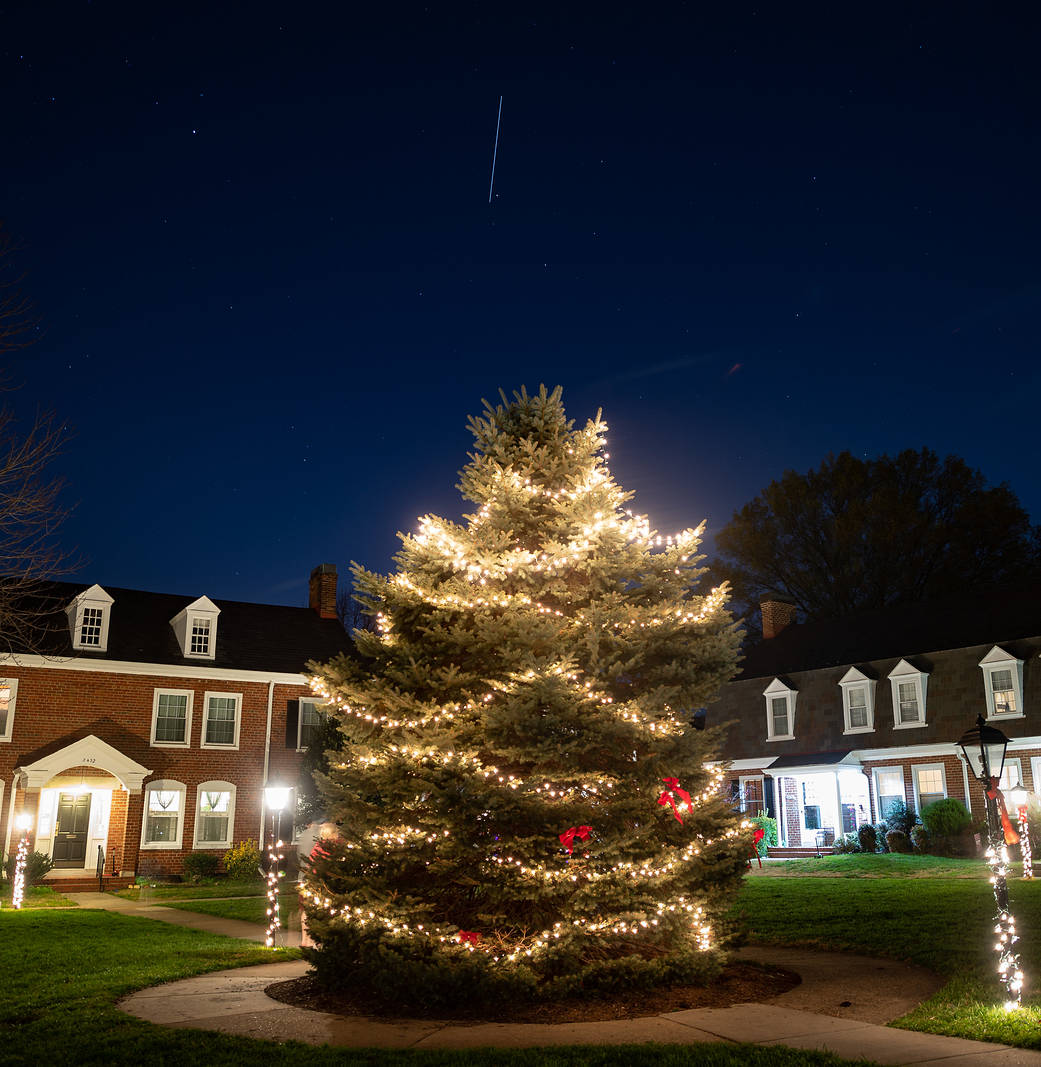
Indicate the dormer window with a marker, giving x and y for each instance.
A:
(858, 701)
(89, 615)
(909, 689)
(1003, 683)
(780, 711)
(196, 629)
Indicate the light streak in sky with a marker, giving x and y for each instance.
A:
(495, 153)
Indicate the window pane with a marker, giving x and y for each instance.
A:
(1011, 775)
(220, 721)
(163, 813)
(908, 702)
(213, 828)
(310, 717)
(753, 798)
(90, 627)
(1004, 693)
(171, 717)
(200, 636)
(161, 828)
(930, 780)
(779, 710)
(5, 707)
(925, 799)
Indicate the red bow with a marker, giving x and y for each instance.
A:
(567, 838)
(994, 793)
(758, 835)
(469, 937)
(671, 793)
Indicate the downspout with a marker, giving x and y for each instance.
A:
(267, 761)
(965, 782)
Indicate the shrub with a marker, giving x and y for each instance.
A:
(242, 862)
(898, 841)
(769, 826)
(868, 838)
(920, 837)
(847, 843)
(200, 865)
(881, 829)
(900, 817)
(946, 818)
(37, 865)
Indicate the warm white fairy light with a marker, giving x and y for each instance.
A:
(18, 885)
(1024, 837)
(275, 874)
(1009, 973)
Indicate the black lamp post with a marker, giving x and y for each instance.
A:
(983, 748)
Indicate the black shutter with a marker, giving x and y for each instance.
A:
(768, 796)
(292, 723)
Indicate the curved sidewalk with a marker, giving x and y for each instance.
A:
(838, 1007)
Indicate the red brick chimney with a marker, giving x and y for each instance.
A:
(323, 590)
(778, 612)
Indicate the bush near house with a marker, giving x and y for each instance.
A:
(769, 828)
(898, 841)
(900, 817)
(867, 835)
(37, 866)
(242, 862)
(200, 865)
(920, 838)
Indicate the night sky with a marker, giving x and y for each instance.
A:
(272, 287)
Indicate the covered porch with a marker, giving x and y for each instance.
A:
(818, 797)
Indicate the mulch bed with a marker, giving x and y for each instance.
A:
(737, 983)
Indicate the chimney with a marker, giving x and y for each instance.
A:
(778, 613)
(323, 590)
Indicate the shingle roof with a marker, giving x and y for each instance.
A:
(973, 617)
(255, 637)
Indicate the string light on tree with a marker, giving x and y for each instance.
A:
(24, 824)
(510, 727)
(276, 799)
(1019, 799)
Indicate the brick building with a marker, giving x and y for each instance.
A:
(834, 721)
(145, 725)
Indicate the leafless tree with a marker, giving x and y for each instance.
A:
(351, 614)
(30, 508)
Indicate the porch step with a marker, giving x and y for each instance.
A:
(797, 852)
(87, 885)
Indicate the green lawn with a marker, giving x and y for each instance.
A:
(64, 971)
(246, 909)
(942, 923)
(889, 865)
(153, 893)
(38, 896)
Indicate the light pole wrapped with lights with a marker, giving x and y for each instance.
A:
(24, 822)
(1018, 799)
(983, 748)
(276, 798)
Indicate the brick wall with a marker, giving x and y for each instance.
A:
(793, 814)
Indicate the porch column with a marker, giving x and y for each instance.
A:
(838, 800)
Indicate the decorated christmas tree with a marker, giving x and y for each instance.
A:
(524, 803)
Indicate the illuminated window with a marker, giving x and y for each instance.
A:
(889, 789)
(215, 815)
(8, 696)
(164, 815)
(909, 690)
(1011, 775)
(1003, 683)
(780, 711)
(858, 701)
(930, 784)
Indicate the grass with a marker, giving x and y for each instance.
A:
(245, 909)
(151, 893)
(38, 896)
(943, 923)
(64, 971)
(889, 865)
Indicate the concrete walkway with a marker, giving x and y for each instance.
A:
(839, 1006)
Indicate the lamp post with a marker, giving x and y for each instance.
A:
(276, 798)
(1017, 798)
(983, 748)
(23, 823)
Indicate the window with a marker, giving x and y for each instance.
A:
(196, 628)
(8, 696)
(889, 789)
(909, 688)
(88, 615)
(215, 815)
(310, 719)
(858, 701)
(811, 809)
(164, 815)
(1011, 775)
(930, 784)
(1003, 682)
(221, 721)
(200, 637)
(780, 711)
(751, 795)
(1035, 772)
(172, 717)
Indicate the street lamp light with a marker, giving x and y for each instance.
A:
(276, 799)
(24, 824)
(1018, 799)
(984, 750)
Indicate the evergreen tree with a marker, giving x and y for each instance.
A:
(523, 801)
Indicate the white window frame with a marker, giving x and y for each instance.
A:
(215, 787)
(165, 785)
(776, 689)
(1035, 774)
(226, 746)
(854, 679)
(182, 623)
(94, 597)
(12, 684)
(300, 747)
(1004, 769)
(877, 795)
(186, 743)
(997, 659)
(742, 779)
(904, 672)
(916, 769)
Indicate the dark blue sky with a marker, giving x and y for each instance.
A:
(273, 288)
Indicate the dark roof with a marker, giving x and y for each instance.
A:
(973, 617)
(254, 637)
(810, 759)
